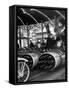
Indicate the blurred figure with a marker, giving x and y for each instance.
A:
(31, 44)
(38, 44)
(43, 45)
(50, 42)
(59, 43)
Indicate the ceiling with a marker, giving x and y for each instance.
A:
(39, 17)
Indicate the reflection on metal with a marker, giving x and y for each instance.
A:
(32, 59)
(20, 20)
(48, 61)
(43, 15)
(29, 15)
(51, 59)
(60, 14)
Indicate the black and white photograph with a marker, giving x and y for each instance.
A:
(41, 44)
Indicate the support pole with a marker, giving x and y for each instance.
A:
(42, 30)
(27, 35)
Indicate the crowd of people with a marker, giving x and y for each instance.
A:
(48, 43)
(52, 41)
